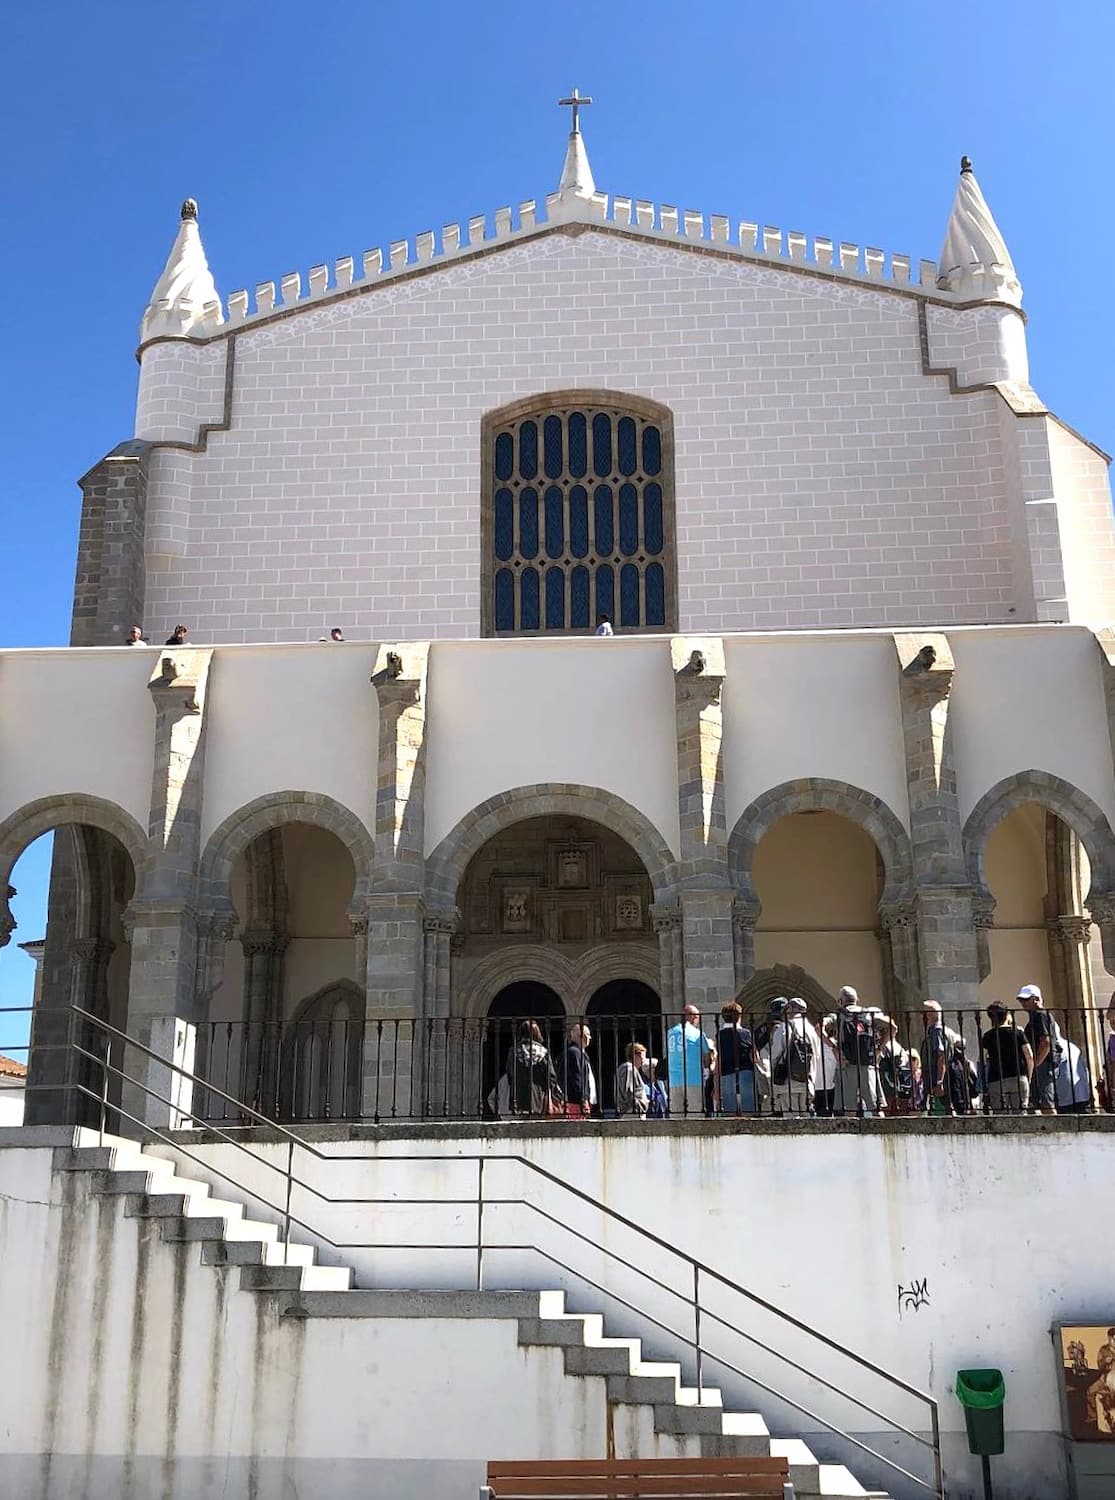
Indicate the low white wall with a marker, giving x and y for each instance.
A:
(828, 1224)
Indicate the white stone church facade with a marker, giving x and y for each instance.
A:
(855, 725)
(857, 571)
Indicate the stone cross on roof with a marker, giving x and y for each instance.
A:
(574, 101)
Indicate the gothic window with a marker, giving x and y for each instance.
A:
(578, 516)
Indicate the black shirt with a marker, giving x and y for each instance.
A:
(734, 1050)
(1002, 1046)
(1040, 1025)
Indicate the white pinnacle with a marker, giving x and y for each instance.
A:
(974, 260)
(185, 299)
(576, 174)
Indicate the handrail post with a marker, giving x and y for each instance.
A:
(106, 1065)
(289, 1189)
(938, 1475)
(480, 1224)
(697, 1326)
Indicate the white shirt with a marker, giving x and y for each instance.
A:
(604, 629)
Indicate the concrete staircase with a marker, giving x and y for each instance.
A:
(650, 1410)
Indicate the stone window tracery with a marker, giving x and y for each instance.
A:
(578, 516)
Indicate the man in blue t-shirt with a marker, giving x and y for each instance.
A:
(690, 1057)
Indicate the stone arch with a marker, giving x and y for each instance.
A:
(262, 814)
(29, 822)
(784, 979)
(447, 864)
(320, 1061)
(1072, 806)
(575, 978)
(820, 794)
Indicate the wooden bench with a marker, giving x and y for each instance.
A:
(639, 1479)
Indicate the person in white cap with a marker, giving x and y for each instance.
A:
(795, 1050)
(1041, 1033)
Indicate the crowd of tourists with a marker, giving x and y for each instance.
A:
(855, 1061)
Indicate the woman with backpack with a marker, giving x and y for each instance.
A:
(532, 1083)
(795, 1052)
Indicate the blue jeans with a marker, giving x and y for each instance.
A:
(737, 1094)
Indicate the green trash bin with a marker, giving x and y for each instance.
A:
(981, 1393)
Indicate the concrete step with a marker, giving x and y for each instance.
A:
(255, 1253)
(743, 1434)
(296, 1278)
(186, 1227)
(609, 1357)
(187, 1205)
(141, 1181)
(691, 1421)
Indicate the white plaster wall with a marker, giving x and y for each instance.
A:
(812, 706)
(11, 1101)
(1029, 699)
(143, 1372)
(821, 475)
(503, 714)
(1083, 490)
(77, 721)
(955, 1209)
(290, 720)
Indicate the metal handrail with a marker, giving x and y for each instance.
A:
(698, 1267)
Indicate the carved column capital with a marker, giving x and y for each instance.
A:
(746, 911)
(665, 917)
(1101, 905)
(898, 916)
(445, 920)
(1071, 930)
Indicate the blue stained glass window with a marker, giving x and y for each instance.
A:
(602, 444)
(578, 521)
(652, 518)
(578, 598)
(529, 618)
(626, 446)
(602, 515)
(504, 527)
(656, 595)
(555, 522)
(551, 447)
(505, 600)
(605, 591)
(652, 450)
(629, 594)
(504, 455)
(555, 599)
(578, 444)
(528, 523)
(528, 450)
(628, 520)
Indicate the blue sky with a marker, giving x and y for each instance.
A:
(310, 133)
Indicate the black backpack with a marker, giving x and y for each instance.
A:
(856, 1040)
(796, 1063)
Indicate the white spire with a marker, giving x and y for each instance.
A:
(974, 260)
(576, 174)
(185, 298)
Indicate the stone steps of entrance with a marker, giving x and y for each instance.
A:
(654, 1412)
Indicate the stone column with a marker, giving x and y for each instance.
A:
(444, 1043)
(949, 967)
(667, 924)
(162, 920)
(395, 972)
(704, 887)
(110, 581)
(745, 914)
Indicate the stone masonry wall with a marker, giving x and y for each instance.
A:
(822, 478)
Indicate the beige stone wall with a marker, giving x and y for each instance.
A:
(1015, 868)
(817, 878)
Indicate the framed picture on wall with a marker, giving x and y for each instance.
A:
(1088, 1380)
